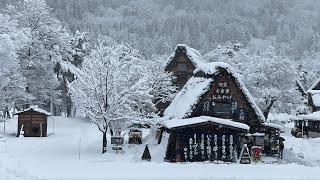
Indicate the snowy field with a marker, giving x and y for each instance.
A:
(56, 157)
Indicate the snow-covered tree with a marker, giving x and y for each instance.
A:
(48, 45)
(78, 49)
(12, 83)
(112, 86)
(268, 76)
(270, 79)
(160, 82)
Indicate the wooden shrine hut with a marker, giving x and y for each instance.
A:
(181, 63)
(33, 122)
(311, 123)
(211, 109)
(313, 94)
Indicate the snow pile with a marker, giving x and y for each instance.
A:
(313, 116)
(173, 123)
(316, 100)
(212, 68)
(194, 55)
(184, 101)
(36, 109)
(307, 147)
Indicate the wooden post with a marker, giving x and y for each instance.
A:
(41, 130)
(79, 147)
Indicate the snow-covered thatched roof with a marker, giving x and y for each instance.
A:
(176, 122)
(194, 55)
(315, 93)
(313, 86)
(36, 109)
(301, 86)
(313, 116)
(189, 95)
(212, 68)
(183, 103)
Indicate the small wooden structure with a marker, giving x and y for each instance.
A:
(203, 139)
(310, 123)
(33, 122)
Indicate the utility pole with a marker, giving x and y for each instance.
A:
(79, 147)
(4, 127)
(53, 124)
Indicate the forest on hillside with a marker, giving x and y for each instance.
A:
(279, 41)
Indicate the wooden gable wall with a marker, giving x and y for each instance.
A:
(182, 75)
(225, 100)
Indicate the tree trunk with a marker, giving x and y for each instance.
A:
(69, 106)
(111, 131)
(268, 108)
(104, 142)
(7, 113)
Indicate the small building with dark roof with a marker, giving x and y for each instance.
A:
(33, 122)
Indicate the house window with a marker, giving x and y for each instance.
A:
(182, 67)
(223, 108)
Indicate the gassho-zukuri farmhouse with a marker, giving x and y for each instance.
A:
(213, 117)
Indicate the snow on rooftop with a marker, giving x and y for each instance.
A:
(67, 66)
(184, 101)
(313, 116)
(301, 85)
(176, 122)
(316, 100)
(212, 68)
(272, 125)
(314, 85)
(36, 109)
(194, 55)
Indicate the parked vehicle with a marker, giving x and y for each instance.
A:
(135, 133)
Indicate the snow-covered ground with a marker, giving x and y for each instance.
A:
(57, 157)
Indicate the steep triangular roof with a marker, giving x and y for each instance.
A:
(194, 55)
(314, 92)
(36, 109)
(315, 87)
(189, 96)
(300, 87)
